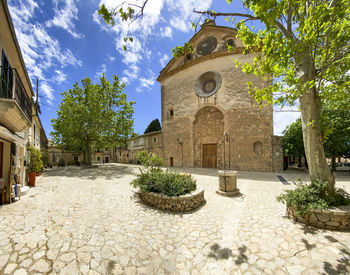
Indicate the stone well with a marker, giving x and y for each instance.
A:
(337, 218)
(228, 183)
(183, 203)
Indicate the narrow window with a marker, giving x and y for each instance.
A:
(188, 57)
(154, 139)
(171, 113)
(231, 43)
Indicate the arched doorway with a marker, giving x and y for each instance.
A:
(208, 130)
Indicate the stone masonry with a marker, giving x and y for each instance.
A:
(205, 101)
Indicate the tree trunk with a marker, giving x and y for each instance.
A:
(333, 162)
(310, 107)
(88, 154)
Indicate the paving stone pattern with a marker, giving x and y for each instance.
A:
(90, 221)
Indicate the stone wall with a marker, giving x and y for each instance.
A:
(244, 121)
(333, 219)
(177, 204)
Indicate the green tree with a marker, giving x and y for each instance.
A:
(153, 126)
(305, 46)
(292, 141)
(335, 123)
(93, 116)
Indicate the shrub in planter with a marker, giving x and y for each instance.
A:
(36, 163)
(307, 197)
(167, 183)
(153, 179)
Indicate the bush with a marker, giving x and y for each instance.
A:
(167, 183)
(307, 197)
(153, 179)
(36, 164)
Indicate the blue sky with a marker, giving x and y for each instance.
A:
(64, 41)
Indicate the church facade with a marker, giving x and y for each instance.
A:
(209, 119)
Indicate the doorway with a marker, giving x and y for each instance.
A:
(209, 156)
(106, 159)
(171, 161)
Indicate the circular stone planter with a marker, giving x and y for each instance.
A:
(337, 218)
(183, 203)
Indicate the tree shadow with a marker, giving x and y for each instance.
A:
(307, 245)
(341, 267)
(219, 253)
(93, 172)
(343, 262)
(110, 266)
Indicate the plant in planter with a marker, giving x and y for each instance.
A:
(35, 165)
(307, 197)
(153, 179)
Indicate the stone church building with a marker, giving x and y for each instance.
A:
(208, 118)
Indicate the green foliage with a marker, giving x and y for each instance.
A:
(168, 183)
(335, 123)
(154, 179)
(93, 116)
(181, 50)
(45, 158)
(153, 126)
(306, 197)
(36, 164)
(292, 141)
(150, 162)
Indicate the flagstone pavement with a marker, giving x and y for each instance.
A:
(91, 221)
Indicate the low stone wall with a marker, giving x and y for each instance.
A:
(177, 204)
(333, 219)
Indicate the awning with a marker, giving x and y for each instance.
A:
(9, 136)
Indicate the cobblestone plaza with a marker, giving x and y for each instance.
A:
(91, 221)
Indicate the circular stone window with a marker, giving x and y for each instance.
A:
(207, 45)
(208, 84)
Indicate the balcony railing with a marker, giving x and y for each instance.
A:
(11, 87)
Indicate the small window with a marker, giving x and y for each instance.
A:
(120, 154)
(188, 57)
(127, 155)
(154, 139)
(231, 43)
(98, 158)
(171, 113)
(106, 149)
(76, 158)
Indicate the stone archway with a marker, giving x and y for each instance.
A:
(208, 130)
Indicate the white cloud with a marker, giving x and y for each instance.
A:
(65, 12)
(130, 74)
(44, 87)
(166, 32)
(42, 53)
(146, 82)
(284, 117)
(59, 76)
(102, 70)
(164, 60)
(111, 58)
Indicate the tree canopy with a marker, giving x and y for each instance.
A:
(153, 126)
(303, 50)
(93, 116)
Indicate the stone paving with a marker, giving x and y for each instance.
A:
(90, 221)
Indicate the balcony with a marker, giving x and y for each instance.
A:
(15, 104)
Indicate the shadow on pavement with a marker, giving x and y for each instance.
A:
(90, 172)
(219, 253)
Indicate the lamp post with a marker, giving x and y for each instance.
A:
(182, 151)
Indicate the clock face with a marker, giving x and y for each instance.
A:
(207, 45)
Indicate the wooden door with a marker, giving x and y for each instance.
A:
(171, 161)
(209, 155)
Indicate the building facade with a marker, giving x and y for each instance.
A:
(209, 119)
(16, 103)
